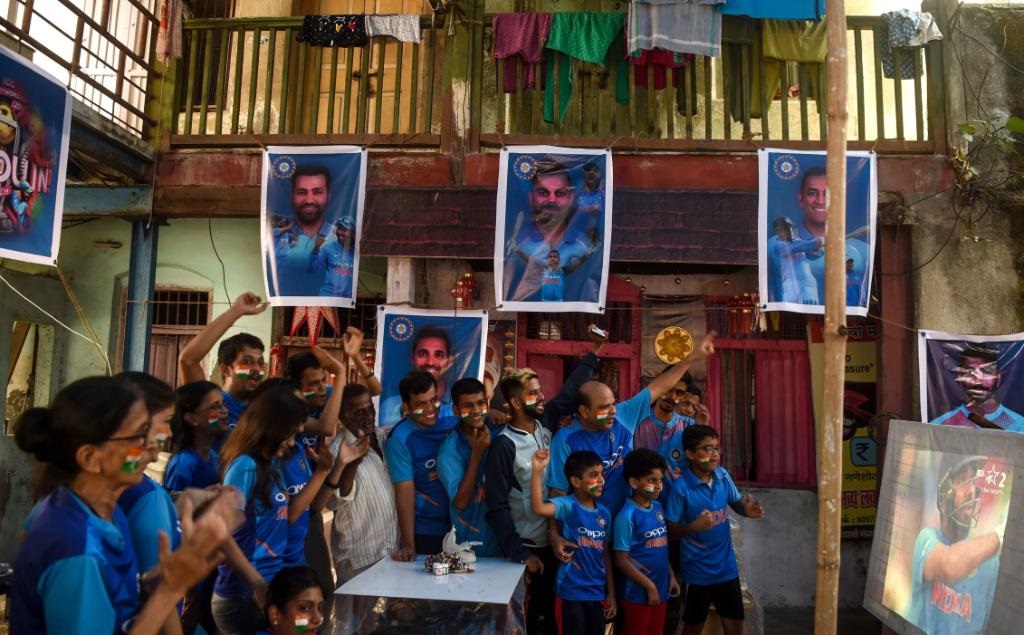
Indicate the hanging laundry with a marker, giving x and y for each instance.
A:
(404, 28)
(907, 31)
(591, 37)
(777, 9)
(521, 36)
(334, 30)
(654, 66)
(168, 36)
(740, 62)
(682, 26)
(785, 41)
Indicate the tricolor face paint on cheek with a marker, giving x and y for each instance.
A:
(603, 415)
(162, 436)
(213, 421)
(131, 461)
(649, 489)
(301, 624)
(309, 395)
(530, 404)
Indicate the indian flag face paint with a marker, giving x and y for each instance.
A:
(309, 395)
(301, 624)
(162, 436)
(131, 461)
(594, 488)
(467, 413)
(649, 489)
(603, 415)
(213, 421)
(530, 404)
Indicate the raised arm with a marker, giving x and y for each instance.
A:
(541, 458)
(564, 401)
(327, 424)
(191, 357)
(665, 381)
(952, 563)
(353, 343)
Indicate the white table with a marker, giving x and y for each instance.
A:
(493, 582)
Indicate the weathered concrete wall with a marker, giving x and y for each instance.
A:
(778, 554)
(973, 285)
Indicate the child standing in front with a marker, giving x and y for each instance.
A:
(698, 513)
(641, 545)
(585, 587)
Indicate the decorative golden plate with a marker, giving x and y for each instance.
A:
(673, 344)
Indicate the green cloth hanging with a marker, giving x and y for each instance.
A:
(591, 37)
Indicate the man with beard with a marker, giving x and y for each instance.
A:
(239, 358)
(954, 576)
(662, 430)
(547, 226)
(979, 377)
(311, 194)
(431, 353)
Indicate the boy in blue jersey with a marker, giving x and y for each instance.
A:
(411, 451)
(607, 428)
(698, 513)
(239, 358)
(954, 576)
(641, 545)
(462, 463)
(585, 588)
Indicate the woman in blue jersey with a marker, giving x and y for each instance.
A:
(200, 416)
(295, 602)
(265, 433)
(76, 570)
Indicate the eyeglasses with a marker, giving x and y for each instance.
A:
(710, 449)
(140, 439)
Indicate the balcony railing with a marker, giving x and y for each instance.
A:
(242, 79)
(104, 51)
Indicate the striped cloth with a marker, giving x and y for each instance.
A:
(682, 26)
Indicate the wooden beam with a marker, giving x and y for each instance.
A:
(422, 140)
(98, 200)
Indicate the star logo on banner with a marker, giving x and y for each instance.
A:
(991, 476)
(313, 317)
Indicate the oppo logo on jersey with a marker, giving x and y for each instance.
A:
(430, 464)
(656, 533)
(281, 497)
(616, 459)
(596, 534)
(293, 490)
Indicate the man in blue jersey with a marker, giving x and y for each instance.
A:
(335, 260)
(431, 353)
(662, 430)
(979, 377)
(605, 427)
(291, 274)
(411, 451)
(954, 576)
(789, 272)
(698, 513)
(239, 358)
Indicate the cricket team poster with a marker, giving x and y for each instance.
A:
(793, 202)
(35, 127)
(972, 380)
(553, 229)
(449, 345)
(311, 224)
(946, 555)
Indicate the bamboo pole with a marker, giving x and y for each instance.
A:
(830, 438)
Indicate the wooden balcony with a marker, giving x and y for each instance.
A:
(249, 82)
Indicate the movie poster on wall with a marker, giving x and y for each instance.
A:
(553, 229)
(311, 224)
(793, 201)
(972, 380)
(35, 128)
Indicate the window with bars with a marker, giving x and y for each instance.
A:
(178, 315)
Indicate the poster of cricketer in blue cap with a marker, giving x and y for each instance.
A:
(793, 203)
(311, 224)
(35, 127)
(449, 345)
(553, 229)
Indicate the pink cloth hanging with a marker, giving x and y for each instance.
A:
(522, 35)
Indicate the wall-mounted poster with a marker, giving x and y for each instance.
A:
(35, 127)
(975, 381)
(311, 224)
(449, 345)
(793, 199)
(553, 229)
(942, 559)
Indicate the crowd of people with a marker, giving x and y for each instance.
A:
(617, 509)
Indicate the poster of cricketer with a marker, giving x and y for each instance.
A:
(35, 127)
(449, 345)
(942, 560)
(311, 223)
(792, 204)
(553, 229)
(974, 381)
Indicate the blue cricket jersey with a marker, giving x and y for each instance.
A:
(707, 556)
(263, 537)
(582, 579)
(236, 407)
(149, 510)
(411, 453)
(336, 264)
(611, 445)
(75, 572)
(188, 468)
(470, 523)
(960, 608)
(666, 439)
(552, 285)
(295, 473)
(642, 533)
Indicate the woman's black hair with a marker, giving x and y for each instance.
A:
(189, 396)
(88, 411)
(289, 583)
(156, 392)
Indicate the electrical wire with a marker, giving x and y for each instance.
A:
(223, 268)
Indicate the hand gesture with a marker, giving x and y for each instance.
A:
(563, 548)
(350, 453)
(404, 554)
(751, 507)
(353, 341)
(498, 417)
(701, 414)
(707, 344)
(704, 521)
(534, 565)
(597, 338)
(323, 456)
(541, 458)
(328, 362)
(652, 595)
(249, 304)
(480, 440)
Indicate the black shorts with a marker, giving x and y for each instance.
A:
(726, 596)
